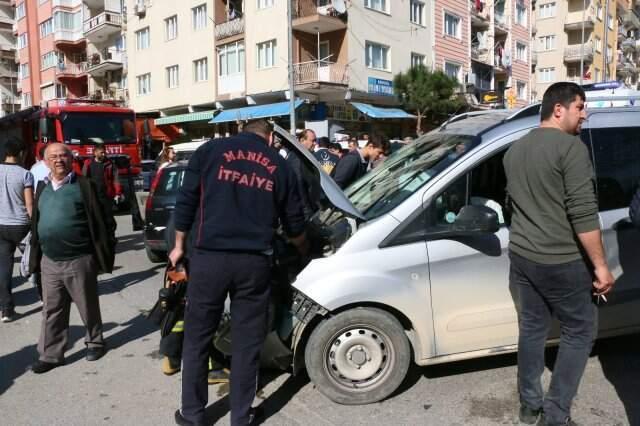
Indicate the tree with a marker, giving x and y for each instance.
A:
(428, 94)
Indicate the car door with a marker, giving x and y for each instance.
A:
(615, 147)
(473, 308)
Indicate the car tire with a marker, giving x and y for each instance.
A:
(155, 256)
(358, 357)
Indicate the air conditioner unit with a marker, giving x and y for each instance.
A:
(140, 8)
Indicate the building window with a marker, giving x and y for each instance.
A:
(263, 4)
(22, 41)
(451, 25)
(599, 13)
(200, 70)
(548, 42)
(46, 28)
(20, 11)
(23, 71)
(379, 5)
(596, 74)
(143, 39)
(610, 22)
(61, 91)
(521, 89)
(49, 59)
(547, 75)
(452, 70)
(266, 54)
(67, 21)
(521, 51)
(377, 56)
(172, 77)
(598, 44)
(171, 28)
(199, 17)
(417, 60)
(231, 59)
(47, 93)
(521, 14)
(144, 84)
(417, 12)
(547, 10)
(25, 100)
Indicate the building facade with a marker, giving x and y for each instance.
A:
(628, 42)
(70, 49)
(9, 96)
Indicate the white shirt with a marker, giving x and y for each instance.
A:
(39, 172)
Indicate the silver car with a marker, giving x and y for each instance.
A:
(414, 262)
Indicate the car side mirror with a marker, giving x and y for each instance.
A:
(474, 219)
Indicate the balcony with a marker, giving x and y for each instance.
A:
(68, 37)
(316, 72)
(231, 84)
(479, 54)
(501, 24)
(67, 70)
(66, 3)
(628, 45)
(7, 20)
(630, 19)
(7, 47)
(625, 67)
(479, 19)
(102, 26)
(109, 60)
(229, 28)
(118, 95)
(575, 20)
(573, 53)
(534, 58)
(311, 18)
(7, 73)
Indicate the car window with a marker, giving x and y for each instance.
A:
(484, 185)
(169, 182)
(616, 152)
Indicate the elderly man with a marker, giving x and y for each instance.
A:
(71, 243)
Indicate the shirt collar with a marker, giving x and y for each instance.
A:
(362, 159)
(70, 178)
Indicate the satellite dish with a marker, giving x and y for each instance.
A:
(339, 6)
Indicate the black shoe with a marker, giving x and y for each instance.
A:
(528, 415)
(8, 315)
(181, 421)
(95, 353)
(255, 415)
(40, 367)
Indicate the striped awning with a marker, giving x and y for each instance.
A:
(185, 118)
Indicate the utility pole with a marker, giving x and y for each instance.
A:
(292, 94)
(584, 10)
(606, 45)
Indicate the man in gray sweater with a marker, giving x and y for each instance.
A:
(557, 258)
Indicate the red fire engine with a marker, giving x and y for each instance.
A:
(80, 124)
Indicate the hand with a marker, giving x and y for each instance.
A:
(604, 281)
(118, 199)
(176, 254)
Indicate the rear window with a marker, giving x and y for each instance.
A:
(170, 181)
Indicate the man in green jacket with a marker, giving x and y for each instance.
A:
(72, 241)
(557, 258)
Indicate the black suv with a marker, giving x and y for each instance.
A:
(159, 208)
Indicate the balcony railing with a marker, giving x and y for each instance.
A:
(321, 72)
(66, 3)
(534, 58)
(71, 68)
(628, 44)
(303, 8)
(68, 36)
(631, 18)
(121, 95)
(102, 19)
(229, 28)
(480, 54)
(574, 52)
(575, 19)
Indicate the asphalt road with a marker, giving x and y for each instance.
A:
(126, 387)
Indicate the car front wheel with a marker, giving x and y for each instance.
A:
(359, 356)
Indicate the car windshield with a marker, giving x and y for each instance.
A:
(95, 128)
(406, 171)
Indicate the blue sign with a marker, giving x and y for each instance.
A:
(380, 86)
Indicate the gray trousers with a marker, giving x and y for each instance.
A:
(64, 282)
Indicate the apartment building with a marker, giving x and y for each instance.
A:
(628, 42)
(574, 42)
(486, 45)
(9, 97)
(70, 49)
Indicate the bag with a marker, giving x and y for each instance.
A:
(634, 209)
(25, 248)
(171, 298)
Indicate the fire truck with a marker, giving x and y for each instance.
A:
(81, 125)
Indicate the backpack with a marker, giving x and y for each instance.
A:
(634, 209)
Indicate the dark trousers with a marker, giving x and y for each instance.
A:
(563, 291)
(10, 236)
(64, 282)
(214, 275)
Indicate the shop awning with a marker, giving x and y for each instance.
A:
(254, 112)
(184, 118)
(377, 112)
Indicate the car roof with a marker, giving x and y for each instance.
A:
(188, 146)
(475, 123)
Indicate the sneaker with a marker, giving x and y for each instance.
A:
(8, 315)
(218, 376)
(528, 415)
(169, 368)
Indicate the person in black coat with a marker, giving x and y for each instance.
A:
(355, 164)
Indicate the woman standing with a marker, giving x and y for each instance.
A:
(168, 157)
(16, 201)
